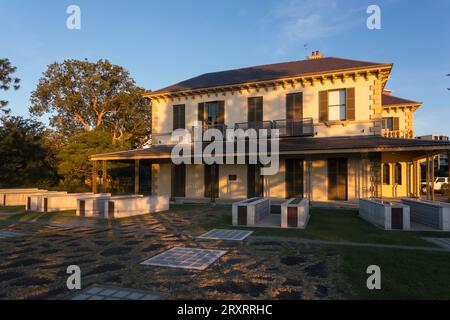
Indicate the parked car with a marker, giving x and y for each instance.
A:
(438, 183)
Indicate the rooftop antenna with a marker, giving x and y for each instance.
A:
(306, 48)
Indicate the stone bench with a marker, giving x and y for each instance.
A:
(127, 206)
(433, 214)
(62, 202)
(92, 205)
(388, 215)
(295, 213)
(249, 212)
(35, 202)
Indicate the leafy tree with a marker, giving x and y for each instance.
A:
(74, 163)
(26, 158)
(82, 96)
(6, 81)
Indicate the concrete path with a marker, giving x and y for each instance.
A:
(346, 243)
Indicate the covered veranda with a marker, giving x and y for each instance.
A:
(387, 168)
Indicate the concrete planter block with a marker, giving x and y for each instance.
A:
(433, 214)
(17, 197)
(127, 206)
(295, 213)
(35, 202)
(92, 205)
(62, 202)
(388, 215)
(249, 212)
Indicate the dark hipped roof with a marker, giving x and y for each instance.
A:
(305, 145)
(268, 72)
(389, 100)
(157, 151)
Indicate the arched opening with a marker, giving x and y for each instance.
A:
(386, 173)
(398, 174)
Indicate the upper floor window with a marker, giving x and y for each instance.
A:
(179, 117)
(255, 109)
(387, 124)
(390, 124)
(212, 113)
(337, 105)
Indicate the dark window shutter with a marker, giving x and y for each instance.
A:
(255, 109)
(290, 107)
(178, 180)
(251, 110)
(396, 124)
(323, 106)
(179, 117)
(221, 115)
(201, 112)
(294, 106)
(350, 104)
(259, 109)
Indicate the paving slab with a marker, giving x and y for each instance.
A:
(10, 234)
(226, 234)
(442, 242)
(186, 258)
(99, 292)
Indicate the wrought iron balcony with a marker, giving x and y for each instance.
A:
(403, 134)
(257, 125)
(295, 128)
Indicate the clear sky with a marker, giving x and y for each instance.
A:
(163, 42)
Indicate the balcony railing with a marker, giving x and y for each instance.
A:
(257, 125)
(287, 128)
(295, 128)
(402, 134)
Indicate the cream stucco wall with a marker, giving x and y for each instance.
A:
(162, 179)
(274, 108)
(274, 186)
(233, 189)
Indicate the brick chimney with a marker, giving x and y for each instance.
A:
(315, 55)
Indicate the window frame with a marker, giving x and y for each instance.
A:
(338, 105)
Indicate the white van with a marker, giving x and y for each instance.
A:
(438, 182)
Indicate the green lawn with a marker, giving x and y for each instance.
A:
(12, 209)
(31, 216)
(405, 274)
(336, 225)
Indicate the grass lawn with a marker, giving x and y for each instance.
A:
(12, 209)
(404, 274)
(31, 216)
(333, 225)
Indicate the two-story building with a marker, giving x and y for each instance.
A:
(343, 135)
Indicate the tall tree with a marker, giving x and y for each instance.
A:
(73, 158)
(7, 81)
(82, 96)
(27, 160)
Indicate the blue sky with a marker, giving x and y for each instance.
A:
(163, 42)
